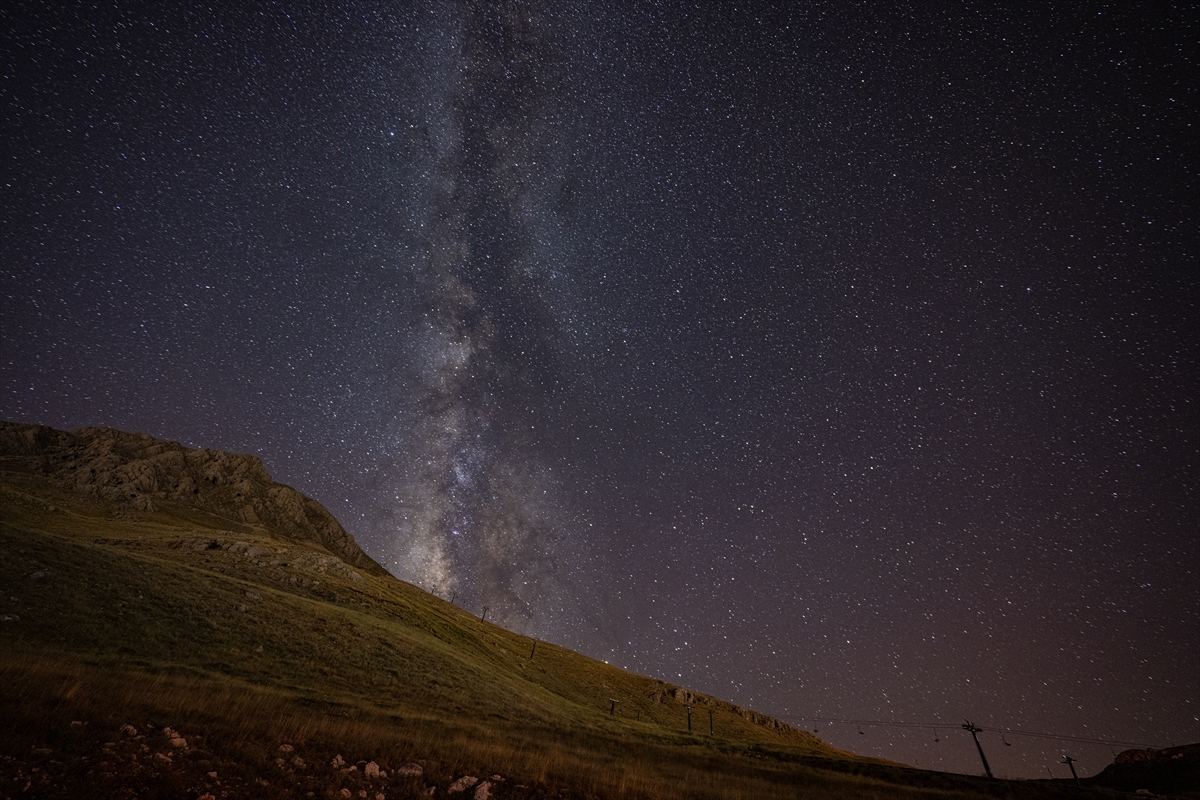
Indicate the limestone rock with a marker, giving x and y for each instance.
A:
(683, 696)
(317, 562)
(1136, 756)
(144, 474)
(462, 784)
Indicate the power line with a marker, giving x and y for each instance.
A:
(948, 726)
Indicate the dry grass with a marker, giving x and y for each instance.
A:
(236, 729)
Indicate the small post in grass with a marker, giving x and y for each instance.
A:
(710, 725)
(689, 709)
(484, 617)
(612, 709)
(533, 650)
(453, 595)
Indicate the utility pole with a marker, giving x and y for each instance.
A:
(484, 617)
(1070, 762)
(970, 726)
(689, 708)
(710, 729)
(533, 650)
(453, 595)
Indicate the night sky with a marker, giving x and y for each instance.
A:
(836, 359)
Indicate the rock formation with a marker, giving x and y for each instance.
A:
(666, 692)
(1173, 771)
(141, 473)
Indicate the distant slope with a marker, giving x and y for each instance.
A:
(1174, 771)
(168, 615)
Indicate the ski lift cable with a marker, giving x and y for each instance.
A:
(1002, 731)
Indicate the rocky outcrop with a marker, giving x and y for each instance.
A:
(138, 472)
(1137, 756)
(664, 693)
(1173, 771)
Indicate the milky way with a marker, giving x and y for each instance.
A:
(477, 506)
(838, 360)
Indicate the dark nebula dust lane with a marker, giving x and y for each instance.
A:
(478, 514)
(837, 360)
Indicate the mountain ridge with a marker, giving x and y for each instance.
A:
(257, 663)
(139, 473)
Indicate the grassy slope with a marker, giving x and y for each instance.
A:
(177, 618)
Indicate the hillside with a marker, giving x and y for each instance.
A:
(137, 472)
(177, 624)
(1173, 771)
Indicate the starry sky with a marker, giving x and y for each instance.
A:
(838, 359)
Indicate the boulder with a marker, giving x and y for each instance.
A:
(462, 784)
